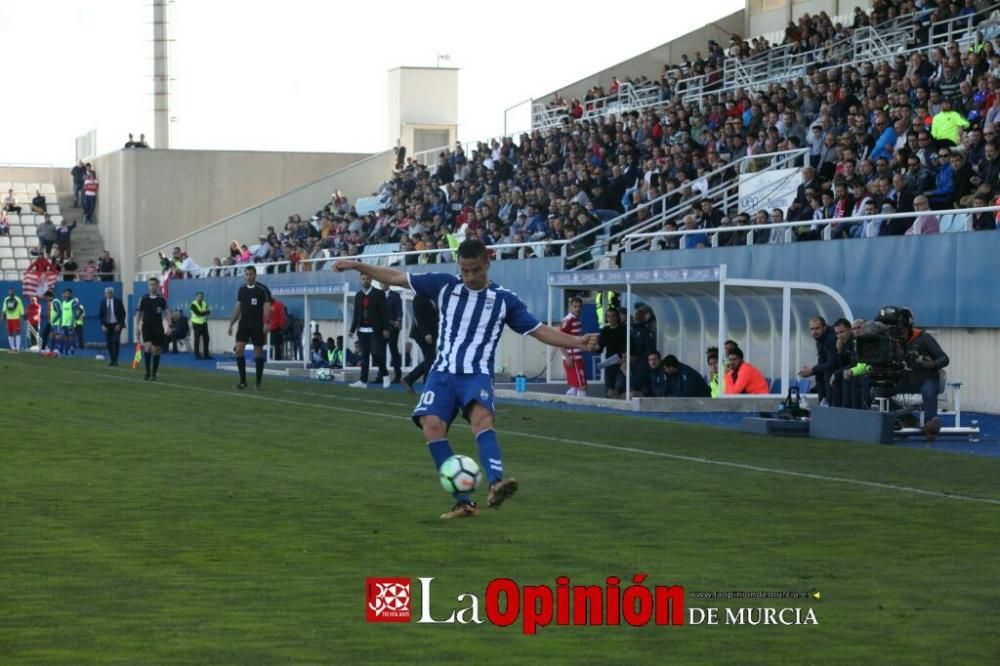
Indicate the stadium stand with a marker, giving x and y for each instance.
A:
(863, 99)
(20, 242)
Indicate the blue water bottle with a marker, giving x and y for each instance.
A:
(521, 383)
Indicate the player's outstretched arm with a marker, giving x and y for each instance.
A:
(556, 338)
(380, 273)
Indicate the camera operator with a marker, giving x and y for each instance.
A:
(927, 359)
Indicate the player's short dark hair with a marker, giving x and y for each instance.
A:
(471, 248)
(670, 361)
(842, 323)
(154, 279)
(576, 299)
(250, 268)
(737, 352)
(656, 352)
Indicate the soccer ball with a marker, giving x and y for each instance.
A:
(460, 474)
(324, 374)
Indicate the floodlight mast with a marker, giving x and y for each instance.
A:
(161, 76)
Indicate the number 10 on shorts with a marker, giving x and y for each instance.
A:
(426, 400)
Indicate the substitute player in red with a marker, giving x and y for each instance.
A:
(576, 375)
(13, 312)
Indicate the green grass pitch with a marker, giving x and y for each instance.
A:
(185, 522)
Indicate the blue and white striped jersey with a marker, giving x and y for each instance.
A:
(470, 322)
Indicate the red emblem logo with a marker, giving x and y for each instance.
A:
(388, 599)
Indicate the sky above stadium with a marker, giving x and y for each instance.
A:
(298, 75)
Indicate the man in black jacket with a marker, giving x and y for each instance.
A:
(611, 341)
(925, 377)
(683, 381)
(394, 313)
(655, 382)
(424, 332)
(845, 390)
(371, 323)
(826, 357)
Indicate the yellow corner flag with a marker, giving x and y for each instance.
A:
(138, 355)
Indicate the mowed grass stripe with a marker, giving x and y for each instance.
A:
(742, 466)
(219, 527)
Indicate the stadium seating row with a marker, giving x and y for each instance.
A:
(15, 265)
(44, 188)
(7, 242)
(15, 252)
(29, 220)
(27, 230)
(24, 201)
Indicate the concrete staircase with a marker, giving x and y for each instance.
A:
(87, 241)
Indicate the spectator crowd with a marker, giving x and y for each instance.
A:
(913, 134)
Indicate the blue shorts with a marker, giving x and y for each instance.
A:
(446, 394)
(66, 330)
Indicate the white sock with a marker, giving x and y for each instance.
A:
(17, 342)
(10, 342)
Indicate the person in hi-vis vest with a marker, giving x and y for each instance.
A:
(199, 322)
(13, 312)
(81, 316)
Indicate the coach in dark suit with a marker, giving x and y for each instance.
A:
(112, 316)
(424, 332)
(371, 323)
(394, 313)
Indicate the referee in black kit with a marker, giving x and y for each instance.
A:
(253, 309)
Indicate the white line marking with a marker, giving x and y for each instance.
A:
(576, 442)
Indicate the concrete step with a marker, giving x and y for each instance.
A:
(87, 240)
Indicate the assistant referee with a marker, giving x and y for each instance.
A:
(253, 310)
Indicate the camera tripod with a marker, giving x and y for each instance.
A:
(882, 402)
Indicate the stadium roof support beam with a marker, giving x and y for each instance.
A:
(767, 306)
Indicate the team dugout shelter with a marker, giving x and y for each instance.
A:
(703, 306)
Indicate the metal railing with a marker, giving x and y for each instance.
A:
(778, 160)
(393, 258)
(635, 241)
(628, 98)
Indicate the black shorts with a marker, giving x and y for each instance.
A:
(154, 335)
(252, 334)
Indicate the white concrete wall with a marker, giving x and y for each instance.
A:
(974, 362)
(393, 110)
(422, 98)
(210, 241)
(766, 16)
(57, 175)
(151, 197)
(651, 62)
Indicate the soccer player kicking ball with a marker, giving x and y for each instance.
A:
(473, 312)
